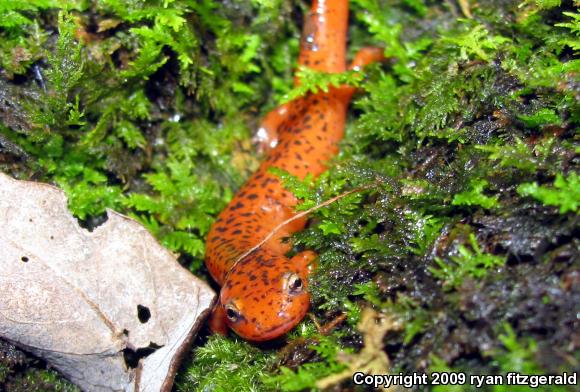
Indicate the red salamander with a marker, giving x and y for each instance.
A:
(264, 293)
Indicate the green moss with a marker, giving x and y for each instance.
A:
(4, 371)
(518, 155)
(518, 355)
(314, 81)
(565, 192)
(469, 263)
(515, 355)
(512, 355)
(574, 26)
(541, 117)
(306, 375)
(45, 380)
(474, 196)
(225, 365)
(23, 39)
(475, 43)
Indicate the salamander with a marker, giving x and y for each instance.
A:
(264, 294)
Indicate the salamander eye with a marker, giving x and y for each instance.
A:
(232, 313)
(294, 283)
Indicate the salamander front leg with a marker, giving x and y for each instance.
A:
(267, 136)
(306, 261)
(217, 320)
(366, 56)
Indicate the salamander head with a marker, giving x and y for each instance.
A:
(263, 301)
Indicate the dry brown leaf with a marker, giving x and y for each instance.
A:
(371, 359)
(81, 300)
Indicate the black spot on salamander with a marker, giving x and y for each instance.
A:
(269, 264)
(253, 196)
(216, 238)
(246, 214)
(307, 118)
(238, 205)
(252, 277)
(297, 143)
(233, 218)
(325, 127)
(318, 137)
(298, 156)
(258, 176)
(236, 232)
(221, 229)
(296, 167)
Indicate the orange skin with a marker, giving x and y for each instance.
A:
(265, 294)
